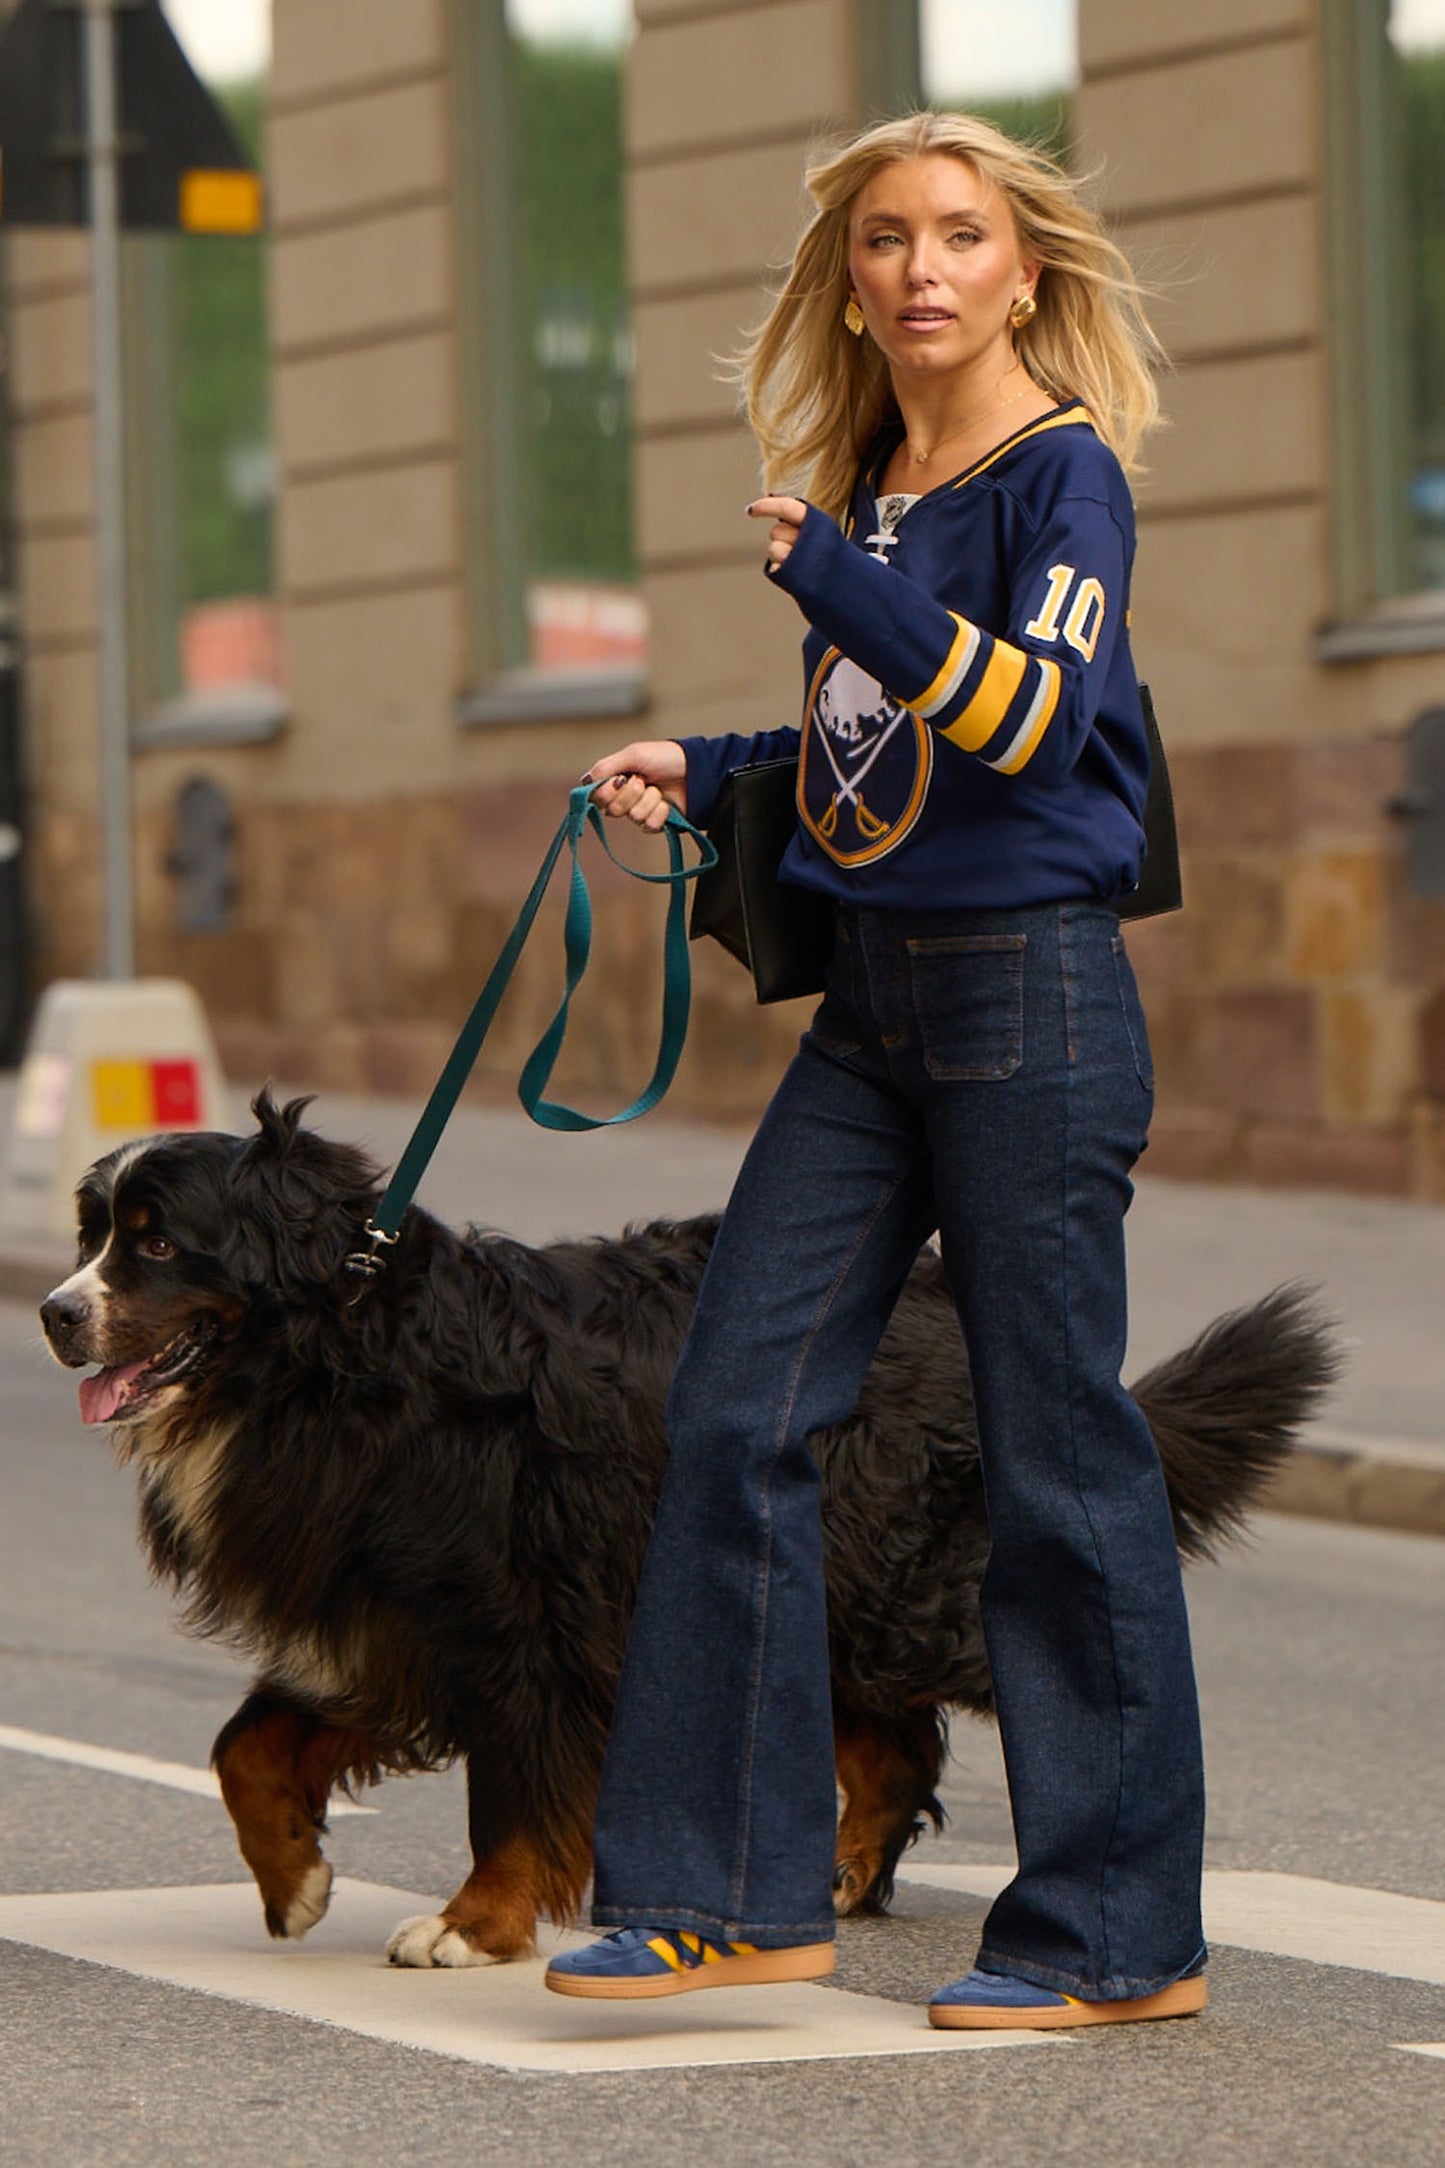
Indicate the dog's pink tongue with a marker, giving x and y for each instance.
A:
(101, 1395)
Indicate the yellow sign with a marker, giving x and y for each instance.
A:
(121, 1092)
(223, 200)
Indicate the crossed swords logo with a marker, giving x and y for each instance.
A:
(850, 790)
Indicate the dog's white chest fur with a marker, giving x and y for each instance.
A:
(179, 1481)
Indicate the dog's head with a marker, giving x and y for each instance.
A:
(182, 1237)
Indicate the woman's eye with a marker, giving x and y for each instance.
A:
(964, 233)
(157, 1248)
(884, 240)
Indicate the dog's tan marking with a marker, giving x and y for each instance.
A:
(883, 1793)
(494, 1913)
(276, 1777)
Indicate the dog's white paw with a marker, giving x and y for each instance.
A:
(310, 1902)
(431, 1940)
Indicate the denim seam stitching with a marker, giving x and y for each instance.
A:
(1143, 1066)
(1068, 1315)
(789, 1401)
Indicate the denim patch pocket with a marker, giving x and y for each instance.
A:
(968, 997)
(1133, 1012)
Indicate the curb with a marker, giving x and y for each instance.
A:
(1334, 1478)
(1396, 1484)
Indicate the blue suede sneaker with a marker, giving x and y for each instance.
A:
(641, 1961)
(997, 2001)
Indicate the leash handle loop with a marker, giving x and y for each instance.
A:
(537, 1070)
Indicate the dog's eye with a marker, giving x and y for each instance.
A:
(157, 1248)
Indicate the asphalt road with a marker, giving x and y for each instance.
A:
(1318, 1650)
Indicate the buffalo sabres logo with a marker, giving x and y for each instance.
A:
(866, 762)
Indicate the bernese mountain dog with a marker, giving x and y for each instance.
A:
(420, 1502)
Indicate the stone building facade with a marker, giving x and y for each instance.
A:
(390, 816)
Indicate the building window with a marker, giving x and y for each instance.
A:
(1385, 83)
(558, 620)
(1014, 61)
(206, 627)
(1417, 66)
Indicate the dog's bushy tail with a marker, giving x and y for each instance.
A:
(1227, 1409)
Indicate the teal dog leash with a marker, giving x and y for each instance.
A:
(581, 814)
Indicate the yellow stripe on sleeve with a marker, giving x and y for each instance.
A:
(956, 666)
(1035, 723)
(991, 703)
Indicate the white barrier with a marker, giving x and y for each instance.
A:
(107, 1062)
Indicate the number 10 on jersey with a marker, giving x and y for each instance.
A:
(1082, 626)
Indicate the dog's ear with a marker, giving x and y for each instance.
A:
(301, 1201)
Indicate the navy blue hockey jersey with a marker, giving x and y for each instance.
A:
(971, 731)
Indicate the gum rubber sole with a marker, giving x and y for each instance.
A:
(1183, 1999)
(809, 1961)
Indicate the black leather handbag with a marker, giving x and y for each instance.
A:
(783, 934)
(1160, 887)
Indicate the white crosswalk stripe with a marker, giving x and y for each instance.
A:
(176, 1776)
(211, 1940)
(1285, 1915)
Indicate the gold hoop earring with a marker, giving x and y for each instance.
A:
(1023, 312)
(853, 317)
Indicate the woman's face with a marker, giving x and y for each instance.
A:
(935, 261)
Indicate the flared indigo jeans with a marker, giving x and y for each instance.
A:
(985, 1074)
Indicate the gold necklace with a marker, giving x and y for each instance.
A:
(921, 459)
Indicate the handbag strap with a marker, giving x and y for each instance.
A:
(581, 814)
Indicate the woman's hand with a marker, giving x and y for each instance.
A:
(787, 515)
(641, 781)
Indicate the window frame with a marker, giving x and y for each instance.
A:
(162, 716)
(500, 689)
(1375, 610)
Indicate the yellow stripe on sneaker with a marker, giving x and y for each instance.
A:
(661, 1947)
(690, 1940)
(743, 1949)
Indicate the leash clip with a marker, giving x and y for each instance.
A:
(367, 1264)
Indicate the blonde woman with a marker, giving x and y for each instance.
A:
(955, 381)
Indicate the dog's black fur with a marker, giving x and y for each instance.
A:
(421, 1504)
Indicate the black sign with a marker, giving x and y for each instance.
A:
(181, 165)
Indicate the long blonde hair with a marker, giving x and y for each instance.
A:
(816, 397)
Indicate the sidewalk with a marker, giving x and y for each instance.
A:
(1377, 1457)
